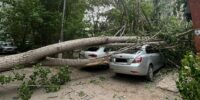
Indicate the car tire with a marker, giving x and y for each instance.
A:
(150, 73)
(118, 74)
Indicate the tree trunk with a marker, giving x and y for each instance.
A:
(132, 44)
(74, 62)
(33, 56)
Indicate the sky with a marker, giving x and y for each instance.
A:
(92, 15)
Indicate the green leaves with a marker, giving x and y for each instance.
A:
(5, 80)
(30, 22)
(59, 79)
(41, 77)
(189, 77)
(21, 19)
(25, 91)
(62, 77)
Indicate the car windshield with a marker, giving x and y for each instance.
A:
(92, 49)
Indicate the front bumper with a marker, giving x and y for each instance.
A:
(8, 50)
(132, 69)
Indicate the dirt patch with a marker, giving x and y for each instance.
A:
(169, 82)
(101, 84)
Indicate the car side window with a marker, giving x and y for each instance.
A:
(150, 49)
(106, 50)
(92, 49)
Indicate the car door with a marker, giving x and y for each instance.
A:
(153, 57)
(157, 58)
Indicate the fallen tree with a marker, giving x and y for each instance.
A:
(132, 44)
(34, 56)
(91, 62)
(40, 55)
(74, 62)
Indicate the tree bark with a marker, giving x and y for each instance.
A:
(74, 62)
(33, 56)
(132, 44)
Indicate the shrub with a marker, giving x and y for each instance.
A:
(189, 77)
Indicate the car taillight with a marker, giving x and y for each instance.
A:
(137, 60)
(92, 55)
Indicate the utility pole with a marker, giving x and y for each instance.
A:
(62, 27)
(195, 8)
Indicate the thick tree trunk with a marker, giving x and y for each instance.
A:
(132, 44)
(74, 62)
(33, 56)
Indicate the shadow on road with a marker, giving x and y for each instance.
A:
(96, 69)
(129, 78)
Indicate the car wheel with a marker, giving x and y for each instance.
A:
(150, 73)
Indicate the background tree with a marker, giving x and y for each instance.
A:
(30, 22)
(36, 23)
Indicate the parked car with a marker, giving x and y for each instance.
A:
(141, 61)
(7, 47)
(95, 52)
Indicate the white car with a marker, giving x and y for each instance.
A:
(142, 61)
(95, 52)
(7, 47)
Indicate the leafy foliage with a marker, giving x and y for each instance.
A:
(189, 79)
(180, 44)
(5, 80)
(40, 78)
(144, 18)
(25, 91)
(29, 22)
